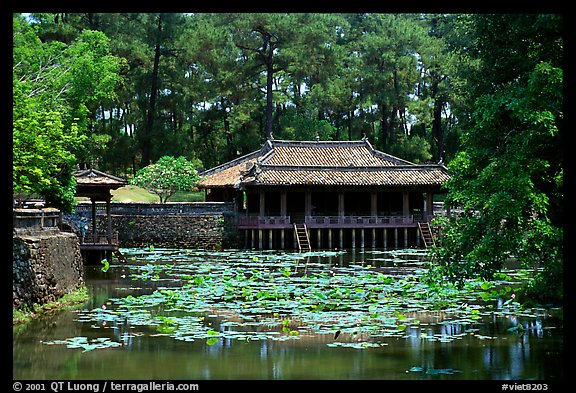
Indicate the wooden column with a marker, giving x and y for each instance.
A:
(270, 239)
(307, 203)
(246, 200)
(385, 237)
(109, 219)
(283, 208)
(93, 219)
(405, 237)
(373, 204)
(429, 207)
(262, 204)
(405, 203)
(341, 204)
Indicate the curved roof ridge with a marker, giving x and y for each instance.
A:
(287, 142)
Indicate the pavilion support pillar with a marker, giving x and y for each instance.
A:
(353, 238)
(270, 239)
(429, 205)
(262, 204)
(308, 203)
(282, 245)
(373, 237)
(405, 203)
(395, 237)
(341, 204)
(283, 209)
(373, 204)
(109, 219)
(341, 238)
(417, 238)
(319, 239)
(362, 238)
(94, 235)
(405, 237)
(260, 246)
(252, 238)
(329, 238)
(385, 237)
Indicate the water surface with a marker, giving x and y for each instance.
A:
(174, 314)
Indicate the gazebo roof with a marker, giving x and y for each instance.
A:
(321, 163)
(94, 183)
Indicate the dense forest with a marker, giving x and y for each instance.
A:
(481, 93)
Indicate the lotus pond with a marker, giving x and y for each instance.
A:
(240, 314)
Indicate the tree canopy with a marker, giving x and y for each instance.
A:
(167, 176)
(508, 175)
(481, 93)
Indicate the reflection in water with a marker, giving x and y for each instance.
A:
(436, 348)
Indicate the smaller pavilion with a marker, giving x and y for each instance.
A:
(97, 243)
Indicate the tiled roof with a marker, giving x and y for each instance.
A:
(342, 163)
(93, 177)
(343, 154)
(424, 175)
(227, 177)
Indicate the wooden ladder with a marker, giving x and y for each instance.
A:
(426, 232)
(119, 255)
(301, 233)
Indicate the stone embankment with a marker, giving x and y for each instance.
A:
(206, 225)
(46, 265)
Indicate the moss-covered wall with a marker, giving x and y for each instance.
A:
(46, 264)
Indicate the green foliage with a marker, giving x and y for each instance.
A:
(508, 177)
(167, 176)
(42, 162)
(215, 80)
(55, 86)
(415, 149)
(105, 265)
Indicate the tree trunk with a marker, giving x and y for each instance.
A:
(147, 137)
(269, 74)
(437, 130)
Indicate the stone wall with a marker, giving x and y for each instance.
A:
(205, 225)
(46, 264)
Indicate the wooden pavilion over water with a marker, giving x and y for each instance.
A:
(318, 194)
(97, 243)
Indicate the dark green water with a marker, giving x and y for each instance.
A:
(192, 328)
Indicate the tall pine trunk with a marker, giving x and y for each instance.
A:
(146, 139)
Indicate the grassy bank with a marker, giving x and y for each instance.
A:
(132, 193)
(69, 301)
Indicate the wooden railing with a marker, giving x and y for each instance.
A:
(264, 222)
(99, 238)
(279, 222)
(357, 221)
